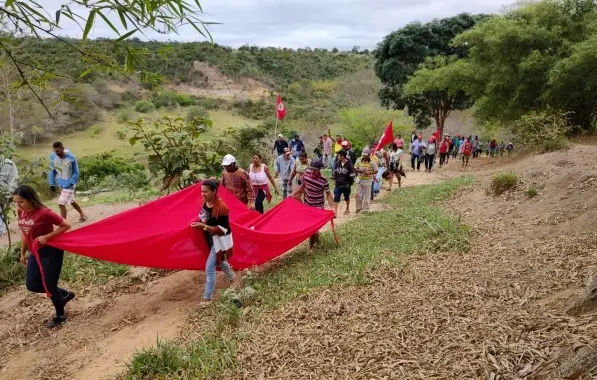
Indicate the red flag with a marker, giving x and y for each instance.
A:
(386, 138)
(280, 108)
(437, 135)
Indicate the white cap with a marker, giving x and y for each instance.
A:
(280, 135)
(228, 160)
(366, 151)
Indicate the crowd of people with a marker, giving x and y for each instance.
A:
(294, 173)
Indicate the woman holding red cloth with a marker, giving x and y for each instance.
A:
(260, 177)
(37, 222)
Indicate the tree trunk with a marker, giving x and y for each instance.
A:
(586, 302)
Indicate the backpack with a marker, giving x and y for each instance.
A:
(394, 159)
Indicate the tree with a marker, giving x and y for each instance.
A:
(134, 16)
(537, 57)
(365, 125)
(439, 86)
(401, 53)
(175, 151)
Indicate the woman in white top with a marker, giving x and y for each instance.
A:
(260, 178)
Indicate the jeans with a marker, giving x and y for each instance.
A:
(210, 273)
(443, 158)
(286, 190)
(429, 158)
(51, 261)
(363, 196)
(414, 158)
(259, 201)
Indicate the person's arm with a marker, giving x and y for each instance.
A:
(386, 158)
(296, 194)
(269, 176)
(293, 173)
(63, 226)
(23, 255)
(74, 178)
(249, 190)
(277, 166)
(328, 195)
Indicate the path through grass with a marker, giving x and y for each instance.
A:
(410, 223)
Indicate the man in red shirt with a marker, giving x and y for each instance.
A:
(444, 147)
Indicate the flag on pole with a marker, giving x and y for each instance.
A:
(280, 108)
(386, 138)
(437, 135)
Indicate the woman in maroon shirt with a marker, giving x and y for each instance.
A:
(37, 222)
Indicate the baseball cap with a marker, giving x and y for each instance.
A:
(344, 143)
(280, 135)
(228, 160)
(316, 164)
(366, 151)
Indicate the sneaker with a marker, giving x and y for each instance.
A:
(55, 322)
(69, 297)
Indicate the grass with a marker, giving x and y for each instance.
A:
(103, 136)
(75, 268)
(531, 192)
(503, 182)
(412, 223)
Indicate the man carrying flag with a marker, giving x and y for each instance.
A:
(386, 138)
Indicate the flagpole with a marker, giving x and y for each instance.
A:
(276, 128)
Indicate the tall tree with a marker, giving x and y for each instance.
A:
(539, 56)
(439, 86)
(401, 53)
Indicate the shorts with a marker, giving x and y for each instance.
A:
(338, 191)
(67, 197)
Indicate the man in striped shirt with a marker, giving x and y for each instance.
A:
(316, 189)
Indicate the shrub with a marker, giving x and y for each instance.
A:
(94, 130)
(503, 182)
(184, 100)
(125, 115)
(207, 103)
(144, 106)
(165, 99)
(531, 192)
(129, 180)
(542, 131)
(94, 169)
(196, 114)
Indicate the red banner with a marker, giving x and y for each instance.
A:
(280, 108)
(386, 138)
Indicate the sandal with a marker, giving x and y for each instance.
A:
(346, 212)
(83, 219)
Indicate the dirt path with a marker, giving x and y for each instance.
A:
(107, 324)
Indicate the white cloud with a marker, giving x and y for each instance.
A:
(299, 23)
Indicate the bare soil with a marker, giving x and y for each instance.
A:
(495, 312)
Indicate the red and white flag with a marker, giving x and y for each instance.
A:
(386, 138)
(280, 108)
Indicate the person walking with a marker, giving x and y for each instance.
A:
(298, 170)
(327, 150)
(37, 222)
(318, 151)
(297, 146)
(280, 145)
(316, 190)
(237, 181)
(260, 178)
(467, 151)
(416, 153)
(444, 147)
(344, 176)
(64, 175)
(430, 154)
(283, 166)
(399, 142)
(394, 165)
(455, 146)
(509, 148)
(214, 220)
(366, 171)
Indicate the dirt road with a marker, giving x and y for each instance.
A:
(107, 324)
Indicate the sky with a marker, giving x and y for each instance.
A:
(303, 23)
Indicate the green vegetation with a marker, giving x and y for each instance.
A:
(75, 269)
(404, 51)
(144, 106)
(503, 182)
(542, 131)
(346, 264)
(531, 192)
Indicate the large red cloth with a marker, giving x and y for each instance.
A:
(158, 234)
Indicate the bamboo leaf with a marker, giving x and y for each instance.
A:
(108, 22)
(127, 35)
(58, 13)
(89, 24)
(122, 19)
